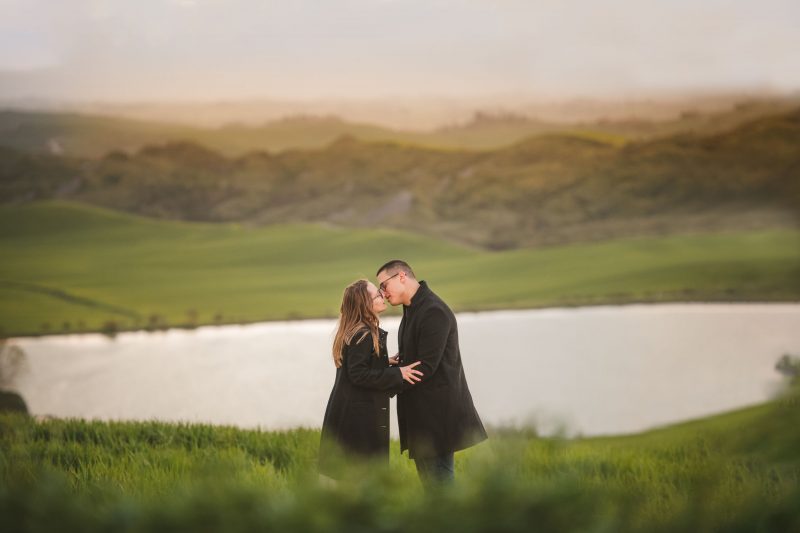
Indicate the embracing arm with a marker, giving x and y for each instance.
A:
(357, 363)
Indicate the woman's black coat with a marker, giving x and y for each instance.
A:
(357, 417)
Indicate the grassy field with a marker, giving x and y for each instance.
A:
(70, 268)
(733, 472)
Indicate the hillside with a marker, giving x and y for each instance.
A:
(546, 189)
(736, 471)
(92, 136)
(69, 268)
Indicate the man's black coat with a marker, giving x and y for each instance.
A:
(435, 416)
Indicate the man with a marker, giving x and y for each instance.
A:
(436, 416)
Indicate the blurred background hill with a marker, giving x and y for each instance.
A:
(497, 182)
(235, 129)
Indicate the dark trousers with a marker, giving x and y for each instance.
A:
(439, 469)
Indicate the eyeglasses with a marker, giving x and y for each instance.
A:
(379, 295)
(382, 286)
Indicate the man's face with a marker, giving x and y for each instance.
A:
(391, 286)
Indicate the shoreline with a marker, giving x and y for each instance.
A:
(291, 318)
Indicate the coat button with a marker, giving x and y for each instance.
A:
(383, 408)
(383, 426)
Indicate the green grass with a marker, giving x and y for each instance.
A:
(733, 472)
(68, 267)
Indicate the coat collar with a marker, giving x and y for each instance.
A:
(422, 294)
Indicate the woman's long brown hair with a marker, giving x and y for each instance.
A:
(355, 314)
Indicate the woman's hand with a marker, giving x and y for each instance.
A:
(409, 374)
(393, 360)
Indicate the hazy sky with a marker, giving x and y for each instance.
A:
(229, 49)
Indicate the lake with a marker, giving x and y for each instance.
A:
(590, 371)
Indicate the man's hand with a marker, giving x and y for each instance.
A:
(409, 374)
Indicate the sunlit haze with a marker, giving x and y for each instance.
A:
(205, 50)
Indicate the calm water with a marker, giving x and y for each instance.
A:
(588, 370)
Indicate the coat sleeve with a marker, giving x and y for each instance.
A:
(434, 330)
(360, 372)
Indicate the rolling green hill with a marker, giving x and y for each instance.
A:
(71, 268)
(546, 189)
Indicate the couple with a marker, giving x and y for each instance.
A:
(435, 412)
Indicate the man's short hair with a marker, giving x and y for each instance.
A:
(396, 265)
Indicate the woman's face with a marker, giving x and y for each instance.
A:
(378, 303)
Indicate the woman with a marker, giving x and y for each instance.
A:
(356, 420)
